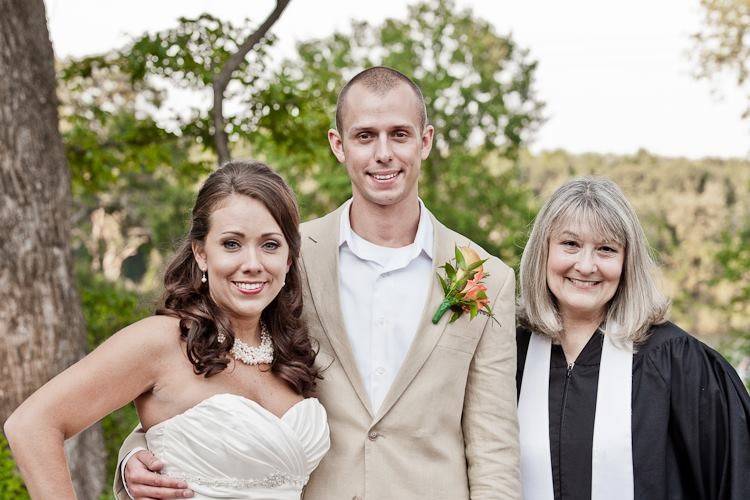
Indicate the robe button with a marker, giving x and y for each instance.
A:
(372, 436)
(356, 498)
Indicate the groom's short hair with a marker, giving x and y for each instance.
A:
(380, 80)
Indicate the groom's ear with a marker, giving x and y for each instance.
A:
(337, 145)
(199, 253)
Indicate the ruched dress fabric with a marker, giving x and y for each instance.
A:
(228, 446)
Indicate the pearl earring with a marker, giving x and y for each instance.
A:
(204, 278)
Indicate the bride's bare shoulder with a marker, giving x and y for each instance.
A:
(152, 333)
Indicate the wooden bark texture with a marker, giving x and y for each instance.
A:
(41, 324)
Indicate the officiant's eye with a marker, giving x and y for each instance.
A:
(364, 136)
(569, 243)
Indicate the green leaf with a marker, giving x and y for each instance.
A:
(475, 265)
(443, 285)
(474, 310)
(460, 261)
(460, 284)
(450, 272)
(455, 316)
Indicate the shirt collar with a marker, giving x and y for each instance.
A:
(423, 240)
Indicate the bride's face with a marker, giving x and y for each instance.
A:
(246, 257)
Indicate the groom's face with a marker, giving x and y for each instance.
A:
(382, 143)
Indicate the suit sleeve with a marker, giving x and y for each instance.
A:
(136, 439)
(490, 424)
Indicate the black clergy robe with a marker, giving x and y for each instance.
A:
(690, 419)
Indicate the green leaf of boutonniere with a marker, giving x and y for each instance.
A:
(460, 261)
(443, 285)
(450, 272)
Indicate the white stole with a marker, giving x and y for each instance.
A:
(612, 453)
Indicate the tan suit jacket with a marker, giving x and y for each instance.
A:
(447, 428)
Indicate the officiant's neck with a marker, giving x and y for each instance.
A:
(577, 330)
(393, 225)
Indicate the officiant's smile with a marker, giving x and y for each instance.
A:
(245, 256)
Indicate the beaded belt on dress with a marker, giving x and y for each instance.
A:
(275, 480)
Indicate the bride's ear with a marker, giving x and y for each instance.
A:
(199, 253)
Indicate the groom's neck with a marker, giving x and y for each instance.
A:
(391, 226)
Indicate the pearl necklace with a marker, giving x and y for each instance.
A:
(252, 355)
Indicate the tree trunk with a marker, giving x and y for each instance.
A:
(41, 324)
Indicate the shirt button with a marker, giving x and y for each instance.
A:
(372, 436)
(380, 370)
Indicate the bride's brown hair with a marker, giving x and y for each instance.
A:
(202, 320)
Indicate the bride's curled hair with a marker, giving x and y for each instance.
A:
(202, 320)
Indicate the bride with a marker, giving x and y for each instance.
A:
(219, 375)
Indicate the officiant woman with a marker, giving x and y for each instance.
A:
(616, 402)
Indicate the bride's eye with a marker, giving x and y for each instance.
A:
(271, 245)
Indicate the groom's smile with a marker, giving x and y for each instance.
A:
(385, 179)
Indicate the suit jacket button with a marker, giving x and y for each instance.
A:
(372, 436)
(356, 498)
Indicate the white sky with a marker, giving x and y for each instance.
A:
(615, 75)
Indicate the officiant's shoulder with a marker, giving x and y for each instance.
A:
(667, 343)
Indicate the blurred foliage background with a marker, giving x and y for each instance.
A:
(136, 163)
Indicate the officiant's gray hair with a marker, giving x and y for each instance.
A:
(597, 203)
(380, 80)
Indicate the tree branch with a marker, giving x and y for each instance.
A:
(225, 74)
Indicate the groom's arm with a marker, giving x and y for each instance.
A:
(141, 470)
(490, 425)
(135, 440)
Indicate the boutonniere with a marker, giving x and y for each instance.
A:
(463, 286)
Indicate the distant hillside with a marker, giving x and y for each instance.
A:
(688, 208)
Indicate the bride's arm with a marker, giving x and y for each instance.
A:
(123, 367)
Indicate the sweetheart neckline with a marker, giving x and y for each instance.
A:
(254, 403)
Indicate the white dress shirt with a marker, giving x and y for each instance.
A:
(383, 292)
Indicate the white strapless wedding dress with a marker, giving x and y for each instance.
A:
(228, 446)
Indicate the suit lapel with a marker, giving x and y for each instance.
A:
(321, 260)
(428, 334)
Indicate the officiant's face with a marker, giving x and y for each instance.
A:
(382, 143)
(246, 257)
(583, 271)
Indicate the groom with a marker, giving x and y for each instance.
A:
(416, 410)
